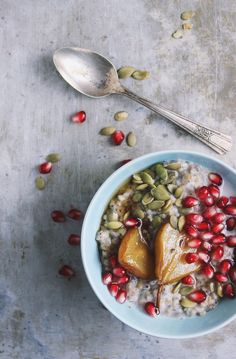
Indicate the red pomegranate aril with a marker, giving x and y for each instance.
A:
(232, 200)
(118, 271)
(204, 226)
(229, 291)
(79, 117)
(206, 245)
(222, 202)
(221, 278)
(209, 201)
(218, 239)
(209, 212)
(75, 214)
(214, 190)
(190, 201)
(132, 222)
(203, 256)
(217, 228)
(188, 280)
(197, 296)
(225, 266)
(208, 271)
(230, 223)
(106, 278)
(118, 137)
(45, 167)
(194, 218)
(66, 271)
(202, 193)
(191, 257)
(121, 296)
(206, 236)
(232, 274)
(74, 240)
(217, 253)
(194, 243)
(58, 216)
(123, 162)
(113, 289)
(191, 231)
(123, 280)
(151, 309)
(218, 217)
(215, 178)
(113, 261)
(231, 210)
(231, 241)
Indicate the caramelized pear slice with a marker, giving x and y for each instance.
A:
(170, 250)
(135, 256)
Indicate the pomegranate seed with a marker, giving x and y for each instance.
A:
(206, 245)
(194, 218)
(204, 256)
(106, 278)
(113, 261)
(204, 226)
(232, 200)
(45, 167)
(232, 274)
(215, 178)
(214, 190)
(231, 241)
(151, 309)
(221, 278)
(66, 271)
(121, 296)
(194, 243)
(58, 216)
(222, 202)
(219, 239)
(113, 289)
(74, 214)
(230, 210)
(118, 271)
(206, 236)
(190, 201)
(209, 201)
(228, 290)
(208, 271)
(225, 266)
(123, 280)
(118, 137)
(133, 222)
(202, 193)
(218, 217)
(79, 117)
(197, 296)
(231, 223)
(217, 228)
(188, 280)
(191, 257)
(209, 212)
(217, 253)
(122, 163)
(191, 230)
(74, 240)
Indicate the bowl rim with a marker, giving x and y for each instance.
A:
(84, 226)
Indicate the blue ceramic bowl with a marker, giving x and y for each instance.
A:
(162, 326)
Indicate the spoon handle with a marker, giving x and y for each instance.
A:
(218, 141)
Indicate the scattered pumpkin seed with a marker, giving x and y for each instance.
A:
(114, 225)
(186, 303)
(173, 221)
(137, 196)
(40, 183)
(173, 166)
(147, 178)
(147, 198)
(219, 290)
(187, 26)
(112, 216)
(126, 215)
(156, 205)
(121, 116)
(140, 75)
(187, 15)
(160, 192)
(179, 191)
(141, 187)
(186, 290)
(107, 131)
(181, 223)
(138, 212)
(178, 34)
(171, 187)
(161, 172)
(131, 139)
(125, 72)
(178, 202)
(156, 221)
(53, 157)
(176, 288)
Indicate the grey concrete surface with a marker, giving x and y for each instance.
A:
(44, 316)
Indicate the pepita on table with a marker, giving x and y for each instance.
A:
(131, 139)
(107, 131)
(121, 116)
(187, 15)
(140, 75)
(40, 183)
(125, 72)
(53, 157)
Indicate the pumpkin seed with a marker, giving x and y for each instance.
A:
(147, 198)
(121, 115)
(173, 221)
(137, 197)
(184, 211)
(173, 166)
(178, 202)
(141, 187)
(107, 131)
(40, 183)
(176, 288)
(178, 34)
(187, 15)
(187, 26)
(219, 290)
(212, 287)
(156, 221)
(171, 187)
(126, 215)
(147, 178)
(112, 216)
(140, 75)
(186, 290)
(138, 212)
(161, 172)
(186, 178)
(114, 225)
(150, 172)
(181, 223)
(170, 179)
(179, 191)
(168, 205)
(125, 71)
(122, 231)
(53, 157)
(131, 139)
(160, 192)
(156, 205)
(137, 178)
(186, 303)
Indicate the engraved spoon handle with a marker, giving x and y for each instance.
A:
(218, 141)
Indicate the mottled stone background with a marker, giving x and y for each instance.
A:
(42, 315)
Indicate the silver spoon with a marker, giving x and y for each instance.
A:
(95, 76)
